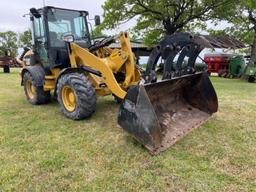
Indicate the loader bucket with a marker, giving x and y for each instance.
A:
(159, 114)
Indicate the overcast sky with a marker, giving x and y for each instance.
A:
(12, 11)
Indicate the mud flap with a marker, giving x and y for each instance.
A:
(159, 114)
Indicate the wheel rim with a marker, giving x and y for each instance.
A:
(30, 89)
(68, 98)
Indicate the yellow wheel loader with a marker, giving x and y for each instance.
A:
(64, 61)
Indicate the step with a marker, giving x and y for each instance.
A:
(49, 77)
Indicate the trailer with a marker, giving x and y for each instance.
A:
(6, 62)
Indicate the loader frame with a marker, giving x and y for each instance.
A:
(100, 70)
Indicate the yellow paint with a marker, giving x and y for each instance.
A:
(81, 55)
(30, 89)
(50, 80)
(119, 60)
(105, 60)
(68, 98)
(104, 52)
(130, 63)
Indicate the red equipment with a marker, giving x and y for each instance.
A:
(218, 63)
(7, 62)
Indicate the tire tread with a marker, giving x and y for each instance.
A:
(85, 93)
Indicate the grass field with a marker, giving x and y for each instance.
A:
(41, 150)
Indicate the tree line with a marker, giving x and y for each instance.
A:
(157, 18)
(10, 40)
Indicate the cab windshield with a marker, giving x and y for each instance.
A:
(66, 22)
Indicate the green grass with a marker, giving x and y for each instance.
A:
(41, 150)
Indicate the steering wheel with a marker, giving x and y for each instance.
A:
(103, 43)
(107, 41)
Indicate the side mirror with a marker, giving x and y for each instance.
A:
(35, 13)
(68, 38)
(97, 20)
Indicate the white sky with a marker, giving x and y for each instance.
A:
(11, 11)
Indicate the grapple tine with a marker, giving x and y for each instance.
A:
(160, 114)
(185, 45)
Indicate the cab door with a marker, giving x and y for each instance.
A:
(40, 43)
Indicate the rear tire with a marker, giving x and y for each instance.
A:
(35, 94)
(6, 69)
(76, 96)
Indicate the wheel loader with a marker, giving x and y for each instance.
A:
(156, 113)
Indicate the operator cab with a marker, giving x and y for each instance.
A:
(50, 26)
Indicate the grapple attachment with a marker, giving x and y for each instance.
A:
(159, 114)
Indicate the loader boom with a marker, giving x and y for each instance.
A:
(119, 59)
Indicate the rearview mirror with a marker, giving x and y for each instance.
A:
(97, 20)
(35, 13)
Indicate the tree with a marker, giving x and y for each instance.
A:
(156, 18)
(242, 16)
(8, 40)
(26, 39)
(97, 32)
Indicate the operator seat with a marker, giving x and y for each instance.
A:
(58, 52)
(55, 42)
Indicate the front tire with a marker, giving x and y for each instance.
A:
(76, 96)
(35, 94)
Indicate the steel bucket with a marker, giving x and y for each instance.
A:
(159, 114)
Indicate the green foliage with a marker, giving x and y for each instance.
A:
(242, 16)
(97, 32)
(8, 40)
(26, 39)
(242, 25)
(2, 52)
(157, 18)
(41, 150)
